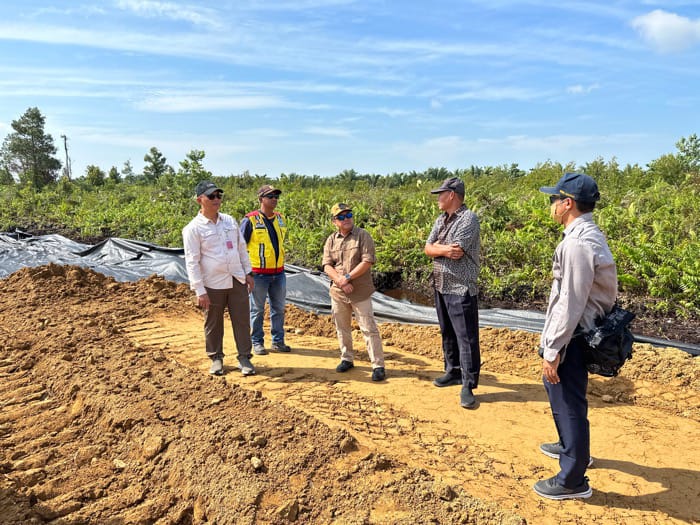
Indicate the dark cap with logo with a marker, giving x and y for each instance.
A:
(206, 188)
(268, 189)
(340, 208)
(451, 184)
(577, 186)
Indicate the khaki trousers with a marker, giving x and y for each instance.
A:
(342, 316)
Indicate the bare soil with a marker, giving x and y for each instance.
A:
(110, 417)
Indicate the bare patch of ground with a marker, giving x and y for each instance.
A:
(109, 416)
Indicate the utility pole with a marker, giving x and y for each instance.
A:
(66, 170)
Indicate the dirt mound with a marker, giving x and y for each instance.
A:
(96, 429)
(108, 416)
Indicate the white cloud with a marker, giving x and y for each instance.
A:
(174, 103)
(328, 132)
(580, 89)
(498, 94)
(668, 32)
(154, 9)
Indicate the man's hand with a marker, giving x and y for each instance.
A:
(455, 251)
(549, 370)
(250, 282)
(203, 301)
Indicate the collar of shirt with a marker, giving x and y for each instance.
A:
(339, 235)
(459, 211)
(204, 220)
(586, 217)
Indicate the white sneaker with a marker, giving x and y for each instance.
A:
(246, 367)
(217, 367)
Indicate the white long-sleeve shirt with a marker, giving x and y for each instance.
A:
(584, 287)
(214, 253)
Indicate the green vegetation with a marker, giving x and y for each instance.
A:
(650, 216)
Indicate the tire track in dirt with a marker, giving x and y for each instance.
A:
(490, 452)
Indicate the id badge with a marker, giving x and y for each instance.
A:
(229, 244)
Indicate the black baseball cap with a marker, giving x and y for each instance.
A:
(206, 188)
(451, 184)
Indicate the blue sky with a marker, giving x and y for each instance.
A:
(320, 86)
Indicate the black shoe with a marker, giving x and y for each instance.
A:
(554, 449)
(447, 380)
(466, 398)
(281, 347)
(344, 366)
(550, 488)
(378, 374)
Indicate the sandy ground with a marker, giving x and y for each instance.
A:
(109, 416)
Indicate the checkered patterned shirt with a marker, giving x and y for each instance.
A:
(450, 276)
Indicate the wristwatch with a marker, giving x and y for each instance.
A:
(347, 276)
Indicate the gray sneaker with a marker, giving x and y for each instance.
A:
(553, 450)
(551, 489)
(259, 349)
(246, 367)
(217, 367)
(281, 347)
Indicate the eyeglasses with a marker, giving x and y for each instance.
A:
(343, 216)
(215, 195)
(271, 196)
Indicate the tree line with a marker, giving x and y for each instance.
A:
(650, 214)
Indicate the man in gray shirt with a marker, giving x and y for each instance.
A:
(584, 288)
(453, 244)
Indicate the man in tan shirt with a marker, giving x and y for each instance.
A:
(348, 256)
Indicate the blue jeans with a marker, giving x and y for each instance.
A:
(273, 286)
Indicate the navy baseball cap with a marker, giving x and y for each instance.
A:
(577, 186)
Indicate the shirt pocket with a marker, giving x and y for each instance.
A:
(211, 242)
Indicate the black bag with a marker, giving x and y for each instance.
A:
(609, 343)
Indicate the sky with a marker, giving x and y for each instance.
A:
(316, 87)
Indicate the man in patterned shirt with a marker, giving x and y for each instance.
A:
(453, 244)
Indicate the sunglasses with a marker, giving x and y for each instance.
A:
(215, 195)
(344, 216)
(554, 198)
(271, 196)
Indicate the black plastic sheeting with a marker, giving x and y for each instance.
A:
(127, 260)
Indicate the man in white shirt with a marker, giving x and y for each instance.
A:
(220, 273)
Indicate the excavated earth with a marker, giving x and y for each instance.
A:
(108, 416)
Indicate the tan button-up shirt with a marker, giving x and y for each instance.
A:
(344, 253)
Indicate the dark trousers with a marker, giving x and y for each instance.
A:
(458, 316)
(570, 410)
(236, 300)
